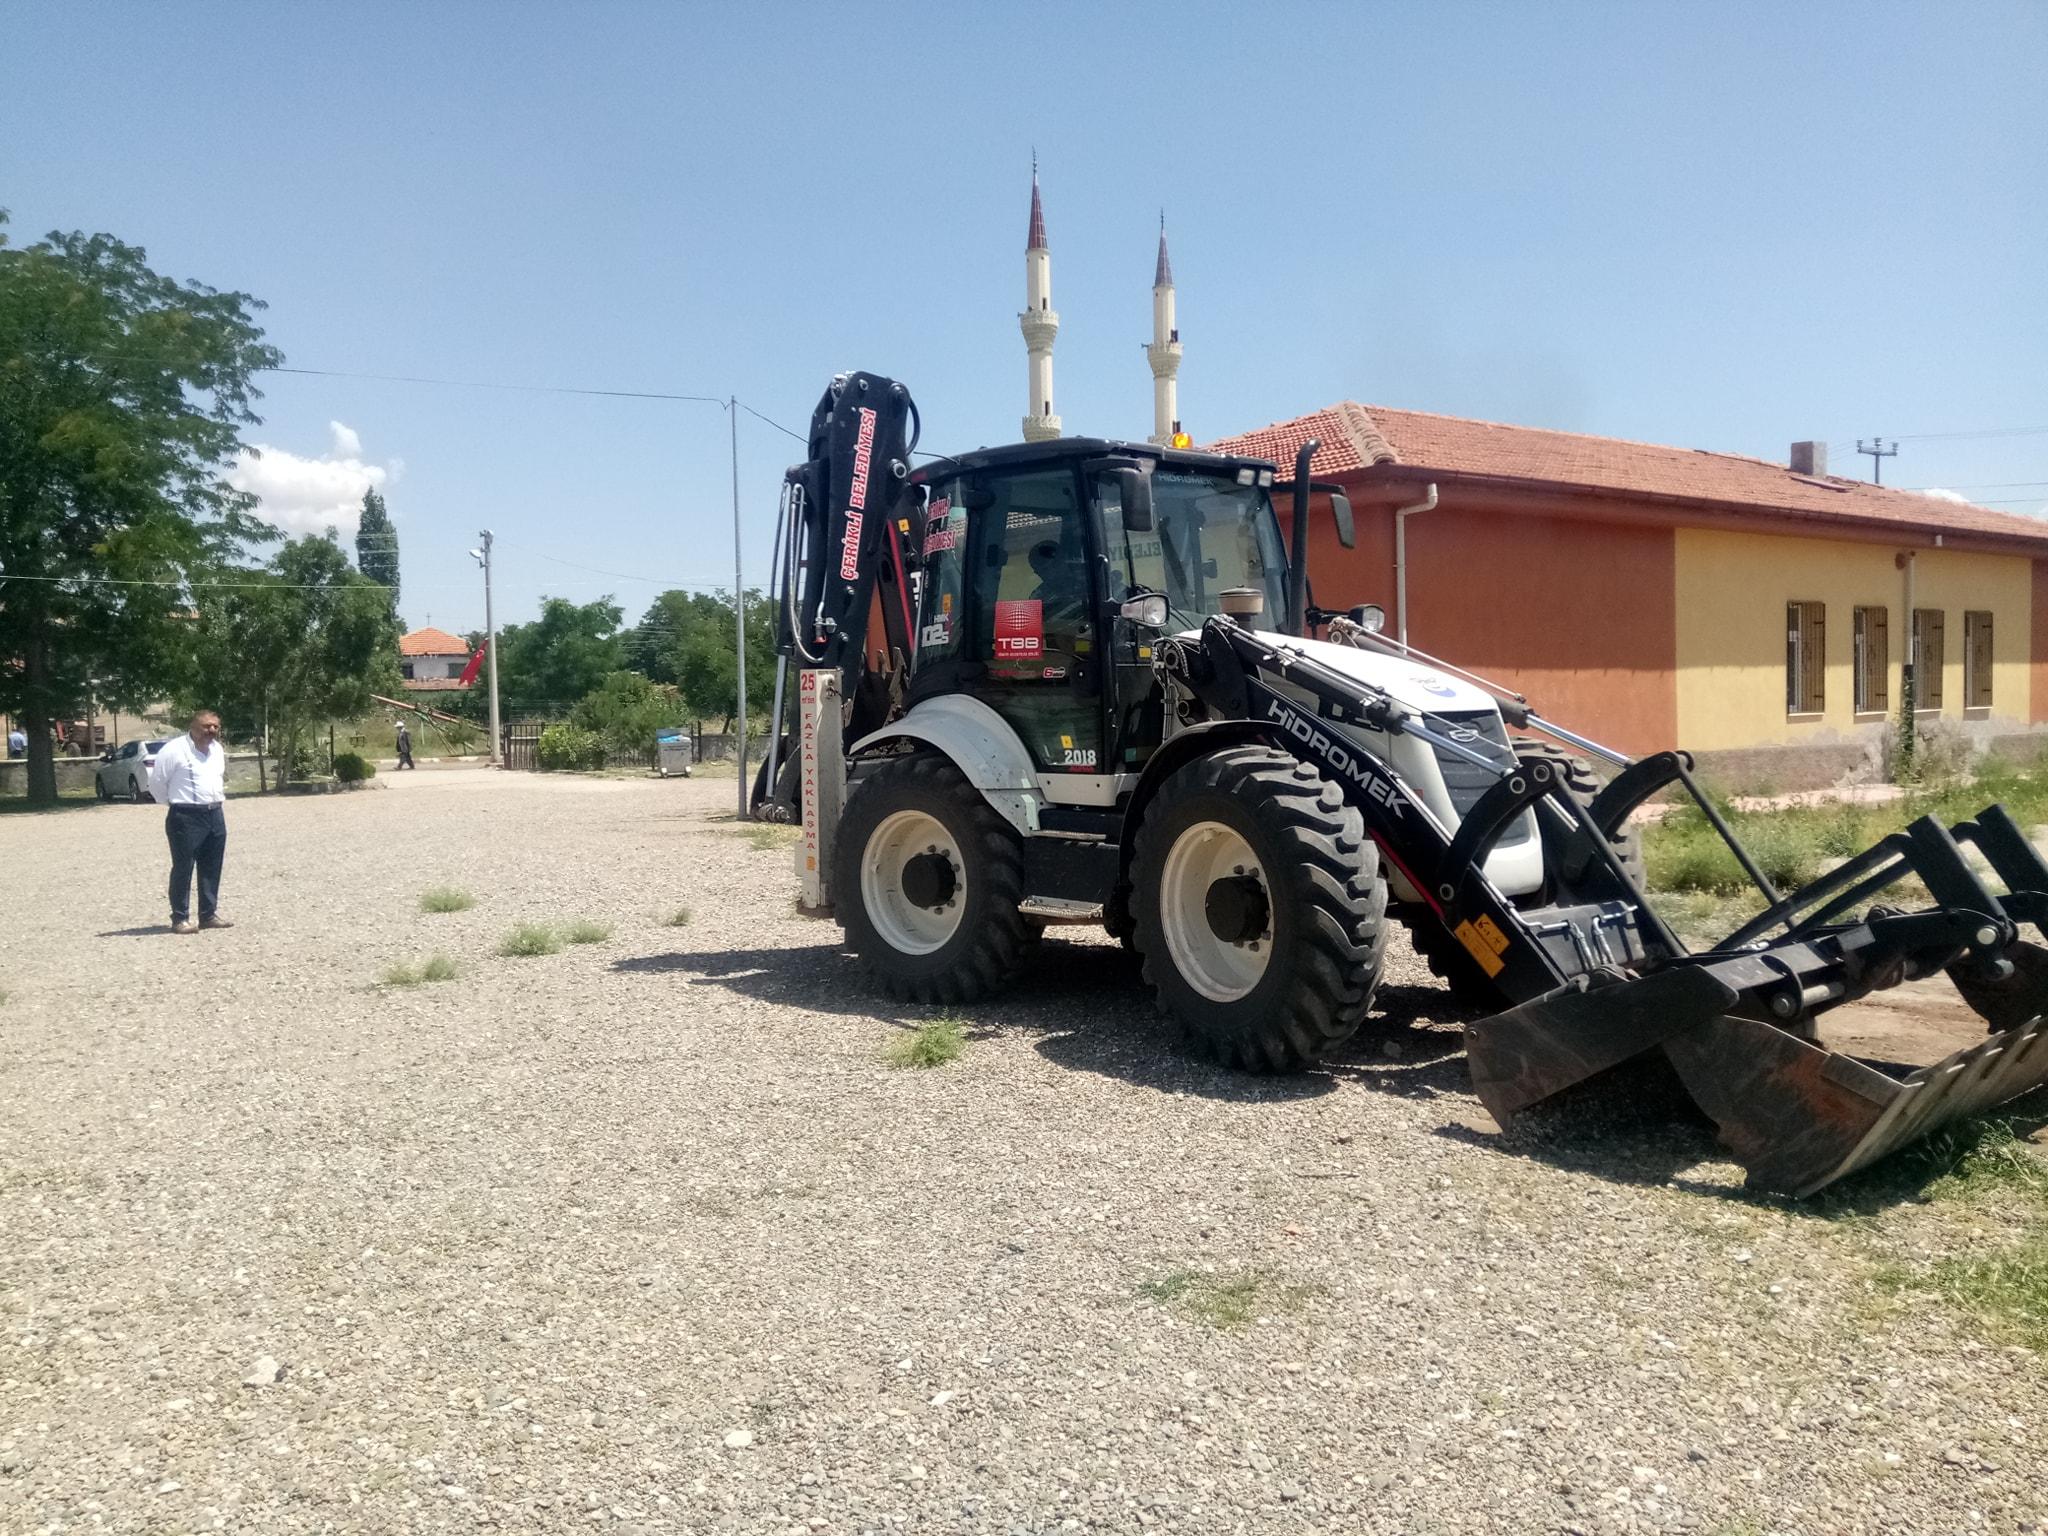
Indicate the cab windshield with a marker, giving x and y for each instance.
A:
(1208, 534)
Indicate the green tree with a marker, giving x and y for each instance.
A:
(706, 661)
(545, 667)
(122, 397)
(377, 546)
(288, 648)
(626, 710)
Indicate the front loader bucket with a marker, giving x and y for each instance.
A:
(1796, 1115)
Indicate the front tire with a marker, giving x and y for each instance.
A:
(1572, 856)
(928, 883)
(1259, 909)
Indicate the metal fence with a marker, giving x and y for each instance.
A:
(520, 746)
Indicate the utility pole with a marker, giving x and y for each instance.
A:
(1878, 454)
(483, 558)
(739, 599)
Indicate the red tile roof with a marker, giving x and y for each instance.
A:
(1359, 437)
(432, 642)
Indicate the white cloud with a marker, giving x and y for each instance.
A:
(310, 495)
(1944, 495)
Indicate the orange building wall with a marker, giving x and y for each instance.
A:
(2037, 657)
(1579, 616)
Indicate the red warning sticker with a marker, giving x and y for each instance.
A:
(1020, 630)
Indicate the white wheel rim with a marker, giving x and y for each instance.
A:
(1221, 971)
(903, 925)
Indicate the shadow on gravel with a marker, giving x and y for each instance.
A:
(1095, 1014)
(134, 933)
(1635, 1124)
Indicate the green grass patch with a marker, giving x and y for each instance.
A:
(446, 898)
(1977, 1157)
(586, 931)
(2006, 1291)
(1223, 1301)
(1794, 844)
(680, 918)
(530, 939)
(434, 968)
(767, 836)
(932, 1044)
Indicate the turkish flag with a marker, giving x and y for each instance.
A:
(469, 672)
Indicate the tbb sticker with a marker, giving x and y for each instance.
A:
(1020, 630)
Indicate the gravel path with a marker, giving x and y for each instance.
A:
(645, 1236)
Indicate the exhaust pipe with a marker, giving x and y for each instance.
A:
(1297, 560)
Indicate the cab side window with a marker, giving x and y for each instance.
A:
(1031, 577)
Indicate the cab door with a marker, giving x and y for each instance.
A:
(1035, 614)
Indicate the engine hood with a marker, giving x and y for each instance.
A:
(1415, 684)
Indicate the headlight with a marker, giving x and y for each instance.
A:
(1370, 617)
(1148, 611)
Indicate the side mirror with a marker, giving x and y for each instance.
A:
(1148, 610)
(1340, 510)
(1134, 490)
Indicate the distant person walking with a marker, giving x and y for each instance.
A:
(17, 742)
(189, 779)
(404, 746)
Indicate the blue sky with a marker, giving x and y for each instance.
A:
(1719, 226)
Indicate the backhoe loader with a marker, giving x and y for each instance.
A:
(1081, 681)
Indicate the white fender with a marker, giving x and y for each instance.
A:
(980, 743)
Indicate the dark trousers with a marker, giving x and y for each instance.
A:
(405, 755)
(199, 839)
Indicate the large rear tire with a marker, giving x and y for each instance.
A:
(1260, 909)
(928, 883)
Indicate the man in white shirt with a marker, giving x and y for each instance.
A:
(189, 779)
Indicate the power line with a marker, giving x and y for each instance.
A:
(528, 389)
(539, 389)
(778, 426)
(1982, 485)
(1941, 437)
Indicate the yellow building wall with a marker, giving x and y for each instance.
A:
(1732, 592)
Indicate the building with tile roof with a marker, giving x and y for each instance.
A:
(1754, 612)
(432, 660)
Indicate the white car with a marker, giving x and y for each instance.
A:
(124, 772)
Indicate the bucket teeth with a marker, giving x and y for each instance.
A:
(1796, 1115)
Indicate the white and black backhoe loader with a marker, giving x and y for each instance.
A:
(1078, 681)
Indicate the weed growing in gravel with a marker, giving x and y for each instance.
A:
(446, 898)
(433, 968)
(764, 837)
(2007, 1290)
(585, 931)
(1223, 1301)
(1969, 1159)
(932, 1044)
(530, 939)
(680, 918)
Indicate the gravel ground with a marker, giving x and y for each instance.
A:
(645, 1235)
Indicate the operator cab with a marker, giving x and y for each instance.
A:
(1027, 555)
